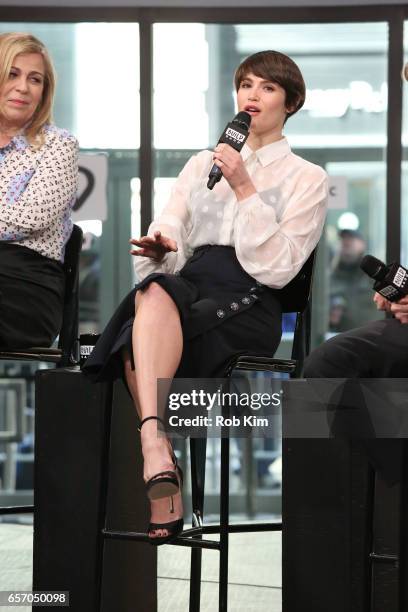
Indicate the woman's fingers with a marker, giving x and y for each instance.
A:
(170, 245)
(158, 243)
(143, 241)
(167, 243)
(140, 254)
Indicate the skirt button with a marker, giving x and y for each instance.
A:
(220, 313)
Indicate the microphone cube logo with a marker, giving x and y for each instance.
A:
(400, 277)
(234, 135)
(388, 292)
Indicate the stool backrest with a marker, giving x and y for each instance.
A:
(68, 336)
(295, 296)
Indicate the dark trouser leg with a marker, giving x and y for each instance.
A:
(377, 350)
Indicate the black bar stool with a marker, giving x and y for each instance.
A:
(295, 297)
(65, 354)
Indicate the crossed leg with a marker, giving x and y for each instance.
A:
(157, 342)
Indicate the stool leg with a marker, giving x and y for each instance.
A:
(403, 552)
(198, 448)
(224, 525)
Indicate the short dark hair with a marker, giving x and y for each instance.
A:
(277, 68)
(350, 233)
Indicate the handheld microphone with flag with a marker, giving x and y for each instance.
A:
(235, 134)
(390, 281)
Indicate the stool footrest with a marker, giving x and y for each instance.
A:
(16, 509)
(125, 535)
(234, 528)
(52, 355)
(382, 558)
(142, 537)
(260, 363)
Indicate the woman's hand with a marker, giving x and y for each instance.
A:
(234, 171)
(154, 247)
(400, 309)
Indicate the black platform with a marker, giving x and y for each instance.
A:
(344, 525)
(84, 433)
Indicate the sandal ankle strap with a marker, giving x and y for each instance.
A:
(156, 418)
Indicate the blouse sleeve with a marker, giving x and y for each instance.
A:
(173, 222)
(49, 193)
(274, 251)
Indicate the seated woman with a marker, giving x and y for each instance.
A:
(210, 267)
(38, 186)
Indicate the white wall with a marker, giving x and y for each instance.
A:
(196, 3)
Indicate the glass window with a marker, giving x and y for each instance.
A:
(180, 84)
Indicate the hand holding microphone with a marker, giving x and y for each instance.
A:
(234, 135)
(391, 283)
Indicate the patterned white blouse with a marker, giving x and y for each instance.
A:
(38, 188)
(273, 231)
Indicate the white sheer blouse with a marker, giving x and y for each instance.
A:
(273, 231)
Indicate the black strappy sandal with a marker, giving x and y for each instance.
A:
(174, 528)
(162, 484)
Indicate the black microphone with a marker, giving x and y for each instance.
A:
(390, 281)
(235, 134)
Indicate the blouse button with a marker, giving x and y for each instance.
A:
(253, 289)
(234, 306)
(246, 300)
(220, 313)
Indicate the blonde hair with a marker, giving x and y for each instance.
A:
(11, 45)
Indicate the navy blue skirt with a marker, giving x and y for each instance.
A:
(31, 297)
(223, 312)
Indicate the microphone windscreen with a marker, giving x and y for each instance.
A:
(373, 267)
(243, 118)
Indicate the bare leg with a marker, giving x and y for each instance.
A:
(157, 347)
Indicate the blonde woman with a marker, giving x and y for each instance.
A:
(38, 186)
